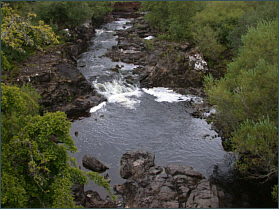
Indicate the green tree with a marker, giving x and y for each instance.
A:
(247, 93)
(263, 10)
(172, 17)
(219, 17)
(158, 14)
(66, 14)
(257, 145)
(17, 33)
(99, 9)
(36, 170)
(181, 14)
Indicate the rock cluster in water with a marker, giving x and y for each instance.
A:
(173, 186)
(90, 199)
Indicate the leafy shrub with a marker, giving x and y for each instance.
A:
(99, 8)
(36, 170)
(5, 65)
(70, 14)
(66, 14)
(257, 146)
(247, 102)
(173, 17)
(212, 25)
(264, 10)
(274, 193)
(19, 37)
(249, 89)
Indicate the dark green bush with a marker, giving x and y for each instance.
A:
(265, 10)
(66, 14)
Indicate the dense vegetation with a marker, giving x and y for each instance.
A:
(216, 27)
(30, 26)
(242, 36)
(247, 102)
(36, 170)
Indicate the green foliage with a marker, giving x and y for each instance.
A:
(99, 8)
(158, 15)
(173, 17)
(212, 25)
(19, 37)
(257, 145)
(66, 14)
(181, 14)
(101, 181)
(31, 91)
(13, 101)
(5, 65)
(247, 93)
(21, 7)
(207, 39)
(36, 170)
(260, 42)
(264, 10)
(17, 31)
(70, 14)
(150, 44)
(249, 89)
(274, 193)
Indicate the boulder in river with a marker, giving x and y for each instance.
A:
(93, 164)
(173, 186)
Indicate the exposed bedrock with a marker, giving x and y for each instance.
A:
(173, 186)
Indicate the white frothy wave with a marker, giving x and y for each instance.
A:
(167, 95)
(119, 92)
(98, 107)
(149, 37)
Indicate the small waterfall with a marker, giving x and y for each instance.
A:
(119, 91)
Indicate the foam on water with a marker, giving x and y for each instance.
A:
(118, 91)
(98, 107)
(167, 95)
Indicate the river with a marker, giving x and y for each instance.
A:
(134, 118)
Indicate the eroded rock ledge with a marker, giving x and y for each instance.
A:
(54, 74)
(173, 186)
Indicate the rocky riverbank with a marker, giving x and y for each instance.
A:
(173, 186)
(54, 74)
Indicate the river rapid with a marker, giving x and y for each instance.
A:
(134, 118)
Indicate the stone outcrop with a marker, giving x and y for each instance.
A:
(55, 76)
(90, 199)
(93, 164)
(173, 186)
(163, 63)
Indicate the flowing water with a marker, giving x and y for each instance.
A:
(134, 118)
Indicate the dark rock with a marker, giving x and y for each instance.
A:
(134, 163)
(174, 186)
(93, 200)
(93, 164)
(90, 199)
(183, 170)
